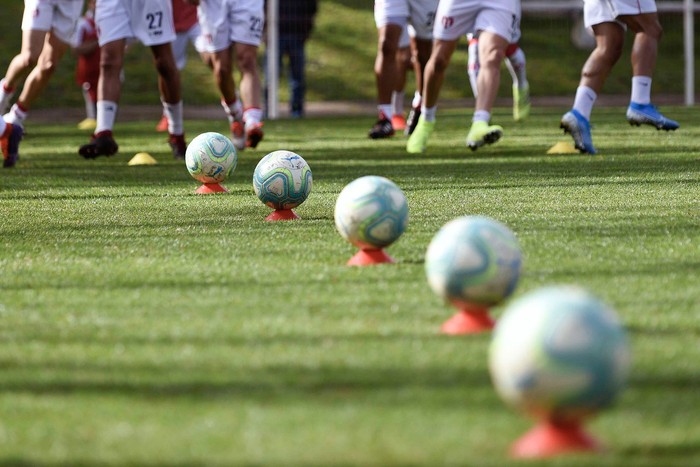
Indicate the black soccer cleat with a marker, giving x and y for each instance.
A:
(101, 144)
(381, 129)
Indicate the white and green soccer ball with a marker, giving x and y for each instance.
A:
(371, 212)
(473, 260)
(211, 157)
(282, 180)
(559, 352)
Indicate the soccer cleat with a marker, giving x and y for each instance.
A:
(238, 135)
(580, 130)
(521, 102)
(638, 114)
(10, 146)
(418, 141)
(412, 120)
(178, 146)
(253, 134)
(87, 124)
(162, 125)
(101, 144)
(482, 133)
(398, 123)
(382, 128)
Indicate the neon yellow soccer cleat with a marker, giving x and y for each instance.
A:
(418, 141)
(482, 133)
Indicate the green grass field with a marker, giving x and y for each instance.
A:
(141, 324)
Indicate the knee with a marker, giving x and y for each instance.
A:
(491, 58)
(654, 30)
(387, 48)
(28, 60)
(165, 67)
(247, 62)
(609, 52)
(221, 71)
(440, 63)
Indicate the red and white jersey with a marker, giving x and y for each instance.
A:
(88, 67)
(184, 15)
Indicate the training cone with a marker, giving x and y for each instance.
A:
(550, 438)
(370, 257)
(142, 158)
(209, 188)
(282, 215)
(468, 320)
(563, 147)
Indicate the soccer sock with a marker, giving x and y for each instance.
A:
(6, 94)
(252, 115)
(516, 64)
(641, 89)
(106, 115)
(481, 116)
(417, 99)
(234, 110)
(428, 113)
(584, 100)
(17, 114)
(173, 112)
(90, 110)
(385, 109)
(473, 64)
(397, 98)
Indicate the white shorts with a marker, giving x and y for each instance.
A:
(455, 18)
(224, 22)
(149, 21)
(180, 44)
(59, 16)
(418, 13)
(607, 11)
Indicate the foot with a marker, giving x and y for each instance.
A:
(162, 125)
(253, 134)
(482, 133)
(521, 102)
(382, 128)
(398, 123)
(580, 129)
(101, 144)
(178, 146)
(238, 135)
(412, 120)
(10, 145)
(638, 114)
(418, 142)
(87, 124)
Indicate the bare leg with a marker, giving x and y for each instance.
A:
(492, 50)
(247, 62)
(434, 73)
(609, 38)
(36, 82)
(385, 71)
(21, 64)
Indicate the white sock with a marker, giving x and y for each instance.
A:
(252, 115)
(481, 116)
(428, 113)
(234, 111)
(90, 111)
(641, 89)
(584, 100)
(16, 116)
(397, 98)
(417, 99)
(386, 109)
(516, 65)
(473, 64)
(106, 115)
(173, 112)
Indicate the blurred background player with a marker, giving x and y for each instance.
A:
(407, 60)
(516, 65)
(609, 20)
(496, 24)
(87, 72)
(48, 31)
(10, 136)
(391, 17)
(234, 28)
(186, 31)
(151, 23)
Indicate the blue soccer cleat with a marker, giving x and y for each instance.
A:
(10, 145)
(638, 114)
(580, 129)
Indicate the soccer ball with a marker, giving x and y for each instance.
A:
(282, 180)
(559, 352)
(473, 260)
(211, 158)
(371, 212)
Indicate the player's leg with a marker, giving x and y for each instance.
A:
(473, 62)
(403, 64)
(420, 54)
(517, 67)
(385, 74)
(52, 52)
(171, 96)
(648, 33)
(21, 65)
(492, 48)
(251, 92)
(10, 136)
(609, 37)
(179, 47)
